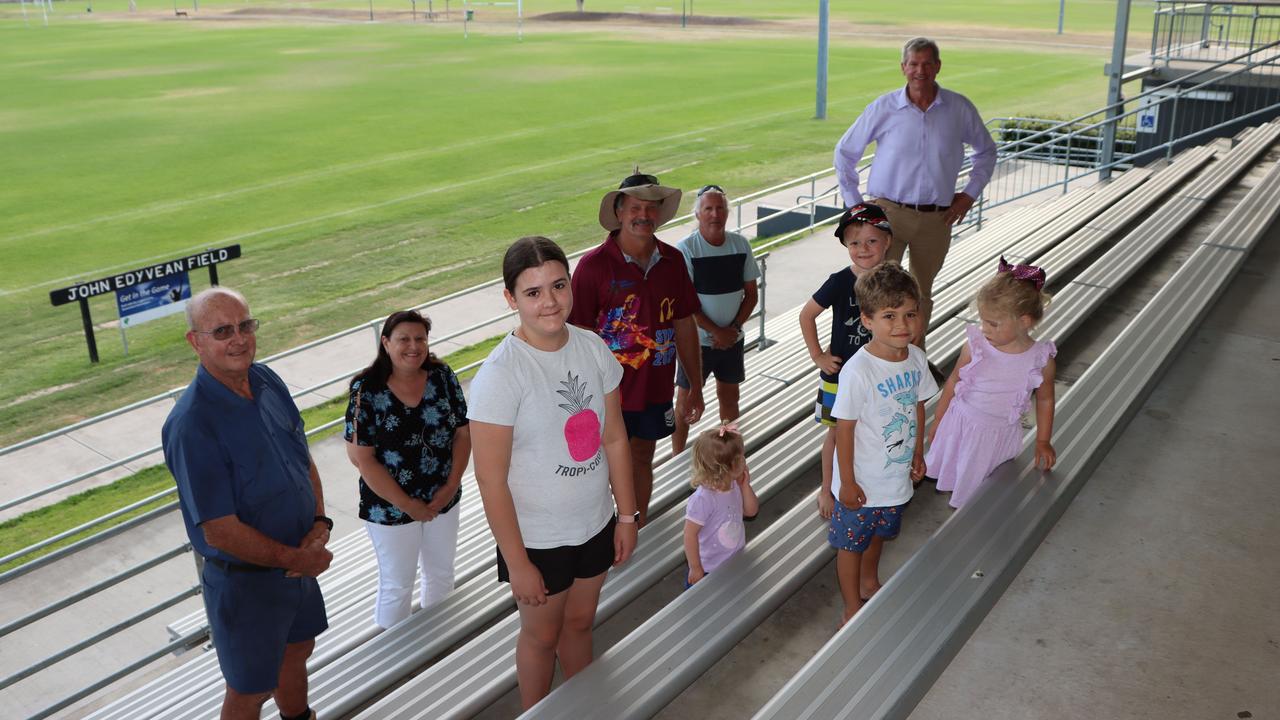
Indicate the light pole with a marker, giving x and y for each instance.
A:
(1115, 85)
(823, 12)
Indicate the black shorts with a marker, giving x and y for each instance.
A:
(560, 566)
(652, 423)
(727, 365)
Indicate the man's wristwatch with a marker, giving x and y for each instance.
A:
(328, 521)
(629, 519)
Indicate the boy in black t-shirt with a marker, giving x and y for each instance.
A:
(864, 230)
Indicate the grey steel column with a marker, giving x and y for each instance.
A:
(823, 12)
(1114, 87)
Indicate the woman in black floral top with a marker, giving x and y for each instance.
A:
(407, 433)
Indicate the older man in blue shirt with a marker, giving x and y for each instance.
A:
(254, 509)
(920, 132)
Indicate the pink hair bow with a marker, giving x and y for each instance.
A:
(731, 428)
(1023, 272)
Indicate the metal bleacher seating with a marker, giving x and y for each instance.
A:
(884, 660)
(478, 670)
(475, 674)
(881, 664)
(196, 686)
(192, 689)
(776, 396)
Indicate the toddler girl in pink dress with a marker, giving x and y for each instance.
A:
(713, 528)
(977, 424)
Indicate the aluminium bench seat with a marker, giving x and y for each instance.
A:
(1055, 218)
(473, 602)
(1090, 231)
(658, 660)
(386, 659)
(885, 660)
(198, 680)
(480, 671)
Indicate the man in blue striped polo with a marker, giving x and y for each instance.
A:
(724, 274)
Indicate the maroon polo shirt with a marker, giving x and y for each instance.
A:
(635, 313)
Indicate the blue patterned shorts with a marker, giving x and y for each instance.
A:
(852, 530)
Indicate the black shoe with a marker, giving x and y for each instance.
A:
(938, 377)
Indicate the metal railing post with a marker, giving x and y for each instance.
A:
(764, 341)
(1155, 33)
(813, 200)
(1253, 27)
(1066, 170)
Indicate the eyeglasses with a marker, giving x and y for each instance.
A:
(710, 188)
(226, 332)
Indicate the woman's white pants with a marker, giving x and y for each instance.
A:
(401, 550)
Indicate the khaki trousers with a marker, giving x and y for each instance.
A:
(928, 238)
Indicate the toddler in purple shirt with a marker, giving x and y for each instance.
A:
(713, 528)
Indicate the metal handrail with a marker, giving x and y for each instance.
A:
(1182, 91)
(94, 589)
(183, 642)
(1157, 90)
(79, 545)
(1208, 16)
(92, 640)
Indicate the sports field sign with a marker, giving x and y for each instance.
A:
(144, 294)
(102, 286)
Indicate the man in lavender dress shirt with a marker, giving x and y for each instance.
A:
(920, 132)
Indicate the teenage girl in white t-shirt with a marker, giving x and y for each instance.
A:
(552, 461)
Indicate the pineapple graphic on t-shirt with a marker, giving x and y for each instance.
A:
(582, 428)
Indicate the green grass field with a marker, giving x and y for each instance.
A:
(366, 167)
(1088, 16)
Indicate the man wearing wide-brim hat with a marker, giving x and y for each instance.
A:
(635, 292)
